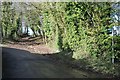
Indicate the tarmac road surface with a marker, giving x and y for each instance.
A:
(23, 64)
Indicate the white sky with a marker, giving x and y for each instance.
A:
(61, 0)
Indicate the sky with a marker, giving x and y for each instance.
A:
(30, 32)
(61, 0)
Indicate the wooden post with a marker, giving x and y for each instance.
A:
(113, 61)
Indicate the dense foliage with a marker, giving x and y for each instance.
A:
(79, 26)
(82, 28)
(7, 19)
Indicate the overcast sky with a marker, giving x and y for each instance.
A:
(62, 0)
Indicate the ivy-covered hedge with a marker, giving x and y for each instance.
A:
(82, 28)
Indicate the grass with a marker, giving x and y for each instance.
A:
(95, 65)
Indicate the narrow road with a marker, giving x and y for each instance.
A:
(23, 64)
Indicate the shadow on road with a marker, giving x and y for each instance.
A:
(19, 63)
